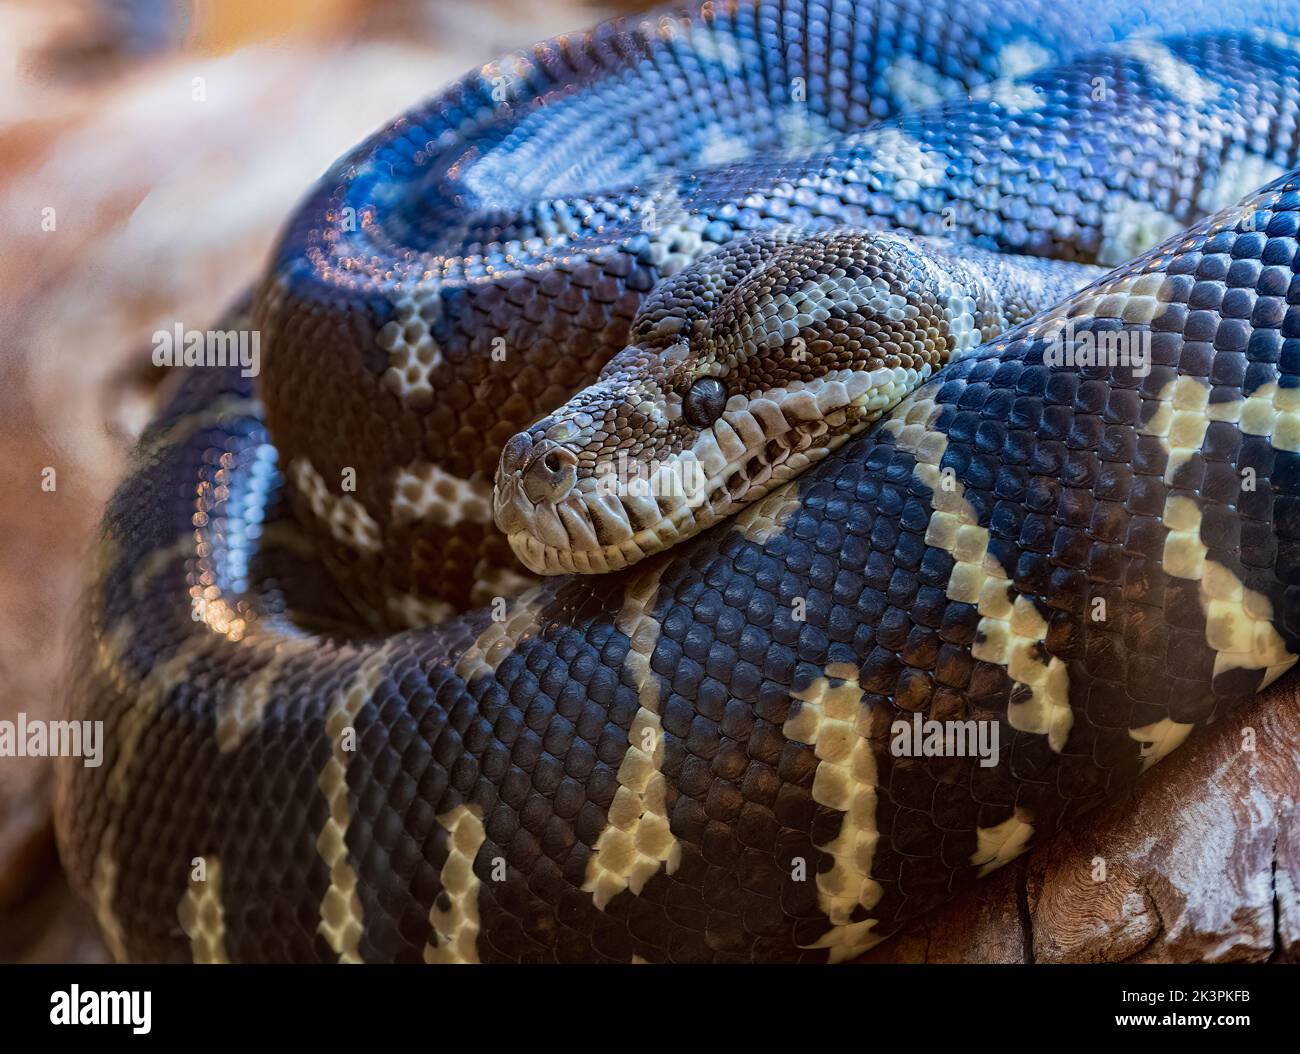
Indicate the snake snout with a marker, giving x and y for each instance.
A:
(546, 469)
(550, 472)
(514, 454)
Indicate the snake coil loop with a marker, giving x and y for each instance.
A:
(677, 242)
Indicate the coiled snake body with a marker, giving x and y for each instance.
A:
(344, 722)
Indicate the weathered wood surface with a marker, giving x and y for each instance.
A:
(1201, 864)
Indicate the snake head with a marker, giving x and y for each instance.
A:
(741, 371)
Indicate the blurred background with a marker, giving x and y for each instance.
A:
(149, 151)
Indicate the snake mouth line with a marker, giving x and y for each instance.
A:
(598, 527)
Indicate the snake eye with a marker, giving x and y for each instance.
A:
(704, 402)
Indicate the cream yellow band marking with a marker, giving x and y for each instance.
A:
(905, 158)
(1184, 412)
(341, 917)
(707, 43)
(637, 840)
(1130, 227)
(1021, 56)
(187, 426)
(721, 148)
(425, 492)
(1012, 632)
(1003, 842)
(144, 697)
(457, 926)
(241, 707)
(1239, 174)
(1017, 98)
(413, 354)
(1159, 740)
(1238, 621)
(832, 720)
(103, 893)
(1172, 73)
(766, 518)
(108, 668)
(347, 520)
(494, 580)
(202, 917)
(800, 130)
(917, 84)
(410, 609)
(498, 640)
(1129, 298)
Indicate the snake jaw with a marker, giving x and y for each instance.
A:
(620, 510)
(804, 339)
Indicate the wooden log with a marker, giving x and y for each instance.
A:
(1200, 864)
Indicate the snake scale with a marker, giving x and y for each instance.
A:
(831, 257)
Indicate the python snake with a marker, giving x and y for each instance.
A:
(345, 724)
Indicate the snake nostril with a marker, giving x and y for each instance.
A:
(550, 471)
